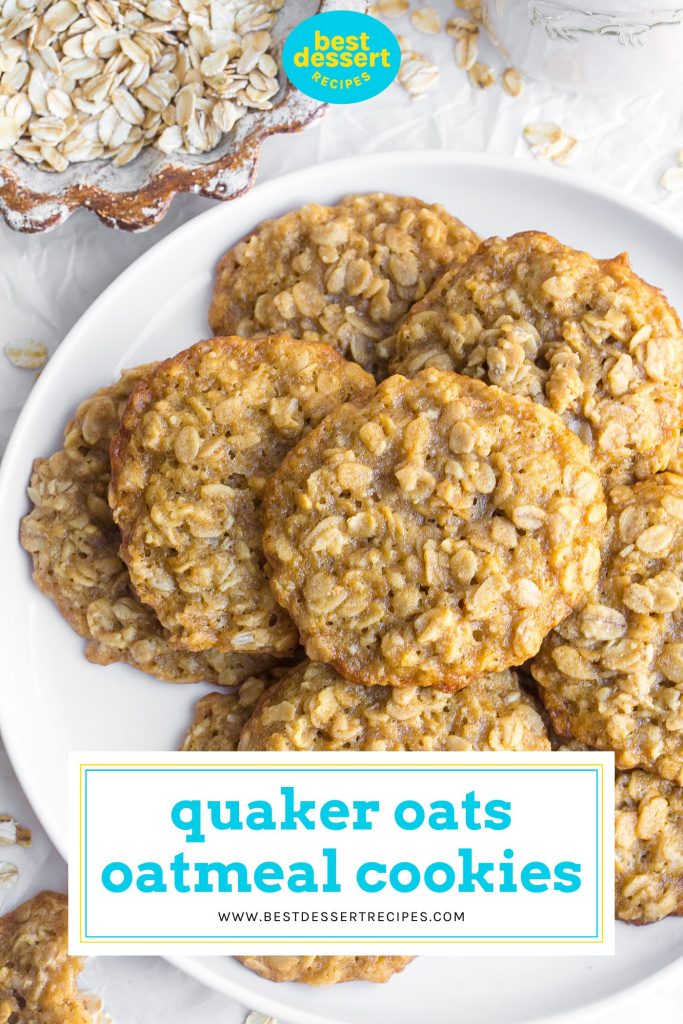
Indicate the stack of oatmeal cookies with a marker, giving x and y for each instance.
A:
(418, 493)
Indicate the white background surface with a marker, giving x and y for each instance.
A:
(46, 282)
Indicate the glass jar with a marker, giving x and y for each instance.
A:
(617, 46)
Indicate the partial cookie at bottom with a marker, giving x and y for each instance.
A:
(313, 708)
(326, 970)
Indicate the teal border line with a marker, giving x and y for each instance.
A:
(225, 938)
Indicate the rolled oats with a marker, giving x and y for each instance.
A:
(313, 708)
(482, 75)
(586, 337)
(672, 179)
(392, 8)
(198, 439)
(466, 51)
(66, 70)
(74, 543)
(512, 82)
(611, 675)
(38, 979)
(426, 19)
(460, 27)
(417, 74)
(383, 530)
(9, 875)
(12, 833)
(29, 355)
(341, 274)
(326, 970)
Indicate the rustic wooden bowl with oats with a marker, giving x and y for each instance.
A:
(119, 105)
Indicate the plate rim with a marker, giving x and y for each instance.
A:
(424, 158)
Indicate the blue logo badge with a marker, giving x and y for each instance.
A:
(341, 57)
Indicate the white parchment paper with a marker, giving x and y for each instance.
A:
(48, 281)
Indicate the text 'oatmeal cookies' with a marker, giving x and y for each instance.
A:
(198, 440)
(611, 675)
(341, 274)
(314, 708)
(75, 547)
(38, 979)
(585, 337)
(433, 531)
(326, 970)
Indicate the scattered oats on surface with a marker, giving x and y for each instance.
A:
(417, 74)
(93, 79)
(568, 151)
(546, 139)
(512, 82)
(9, 873)
(473, 7)
(672, 179)
(459, 27)
(27, 355)
(392, 8)
(12, 833)
(258, 1018)
(482, 75)
(466, 51)
(427, 20)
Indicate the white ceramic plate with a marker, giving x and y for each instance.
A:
(52, 700)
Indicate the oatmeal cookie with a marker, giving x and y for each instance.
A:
(313, 708)
(432, 531)
(648, 833)
(611, 675)
(585, 337)
(38, 979)
(198, 439)
(341, 274)
(649, 847)
(74, 543)
(219, 717)
(326, 970)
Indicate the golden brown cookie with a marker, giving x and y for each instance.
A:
(611, 674)
(648, 832)
(38, 980)
(219, 717)
(586, 337)
(649, 847)
(341, 274)
(432, 531)
(197, 442)
(74, 543)
(314, 708)
(326, 970)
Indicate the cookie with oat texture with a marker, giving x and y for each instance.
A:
(432, 531)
